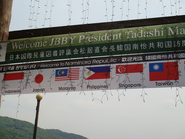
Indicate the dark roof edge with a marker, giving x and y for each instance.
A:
(95, 27)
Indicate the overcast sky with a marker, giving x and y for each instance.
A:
(115, 115)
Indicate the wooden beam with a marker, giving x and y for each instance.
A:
(5, 18)
(94, 27)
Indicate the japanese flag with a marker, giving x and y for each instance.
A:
(39, 78)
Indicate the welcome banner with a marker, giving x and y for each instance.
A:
(170, 37)
(95, 77)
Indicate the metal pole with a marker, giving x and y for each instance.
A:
(39, 97)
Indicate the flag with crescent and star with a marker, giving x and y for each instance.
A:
(129, 68)
(67, 74)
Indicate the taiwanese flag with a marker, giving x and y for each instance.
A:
(13, 76)
(97, 73)
(132, 68)
(163, 71)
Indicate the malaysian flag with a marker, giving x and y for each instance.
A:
(67, 74)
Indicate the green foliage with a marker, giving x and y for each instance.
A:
(17, 129)
(66, 135)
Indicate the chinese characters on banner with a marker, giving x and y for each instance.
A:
(128, 58)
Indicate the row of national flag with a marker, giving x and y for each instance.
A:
(157, 72)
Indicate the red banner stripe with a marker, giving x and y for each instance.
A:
(13, 76)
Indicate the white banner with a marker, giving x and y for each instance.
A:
(153, 74)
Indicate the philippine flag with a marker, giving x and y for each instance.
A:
(97, 73)
(132, 68)
(163, 71)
